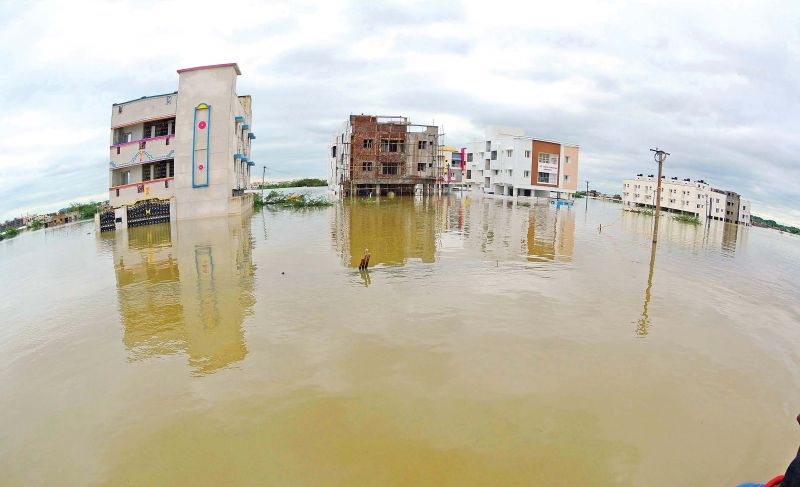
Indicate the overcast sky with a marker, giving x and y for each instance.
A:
(716, 85)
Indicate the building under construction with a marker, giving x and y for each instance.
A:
(376, 155)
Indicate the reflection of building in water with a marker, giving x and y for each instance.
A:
(394, 230)
(186, 287)
(507, 229)
(710, 234)
(551, 233)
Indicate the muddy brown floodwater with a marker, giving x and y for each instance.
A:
(490, 343)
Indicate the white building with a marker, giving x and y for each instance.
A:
(188, 149)
(687, 196)
(509, 163)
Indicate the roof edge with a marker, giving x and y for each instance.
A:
(224, 65)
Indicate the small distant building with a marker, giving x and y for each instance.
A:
(375, 155)
(60, 218)
(687, 196)
(15, 223)
(187, 152)
(509, 163)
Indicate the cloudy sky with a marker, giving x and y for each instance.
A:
(714, 83)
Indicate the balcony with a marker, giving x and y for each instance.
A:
(143, 109)
(126, 194)
(141, 151)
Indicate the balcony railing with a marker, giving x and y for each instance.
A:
(141, 151)
(128, 193)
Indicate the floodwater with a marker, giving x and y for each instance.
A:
(490, 343)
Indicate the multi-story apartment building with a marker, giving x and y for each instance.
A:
(687, 196)
(451, 160)
(509, 163)
(190, 148)
(377, 155)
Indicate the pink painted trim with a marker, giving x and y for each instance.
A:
(142, 140)
(141, 182)
(226, 65)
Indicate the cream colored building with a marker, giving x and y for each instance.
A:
(509, 163)
(687, 196)
(190, 147)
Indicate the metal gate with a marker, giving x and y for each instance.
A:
(107, 222)
(148, 212)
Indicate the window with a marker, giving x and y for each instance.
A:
(420, 166)
(510, 172)
(159, 170)
(494, 155)
(544, 177)
(157, 128)
(366, 166)
(488, 146)
(333, 151)
(126, 177)
(717, 200)
(509, 152)
(469, 156)
(469, 173)
(566, 159)
(566, 177)
(527, 174)
(527, 153)
(392, 145)
(545, 158)
(146, 172)
(389, 168)
(422, 144)
(368, 143)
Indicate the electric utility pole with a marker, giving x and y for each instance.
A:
(587, 188)
(659, 156)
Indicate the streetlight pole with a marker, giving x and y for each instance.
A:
(659, 156)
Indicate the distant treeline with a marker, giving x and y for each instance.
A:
(760, 222)
(86, 210)
(297, 183)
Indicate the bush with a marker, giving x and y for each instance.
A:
(275, 198)
(35, 224)
(85, 210)
(10, 233)
(688, 218)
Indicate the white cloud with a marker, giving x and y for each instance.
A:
(714, 84)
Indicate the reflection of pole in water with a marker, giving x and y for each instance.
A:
(644, 323)
(365, 277)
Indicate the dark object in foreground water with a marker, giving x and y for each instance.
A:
(364, 261)
(790, 479)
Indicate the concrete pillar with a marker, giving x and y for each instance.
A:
(377, 190)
